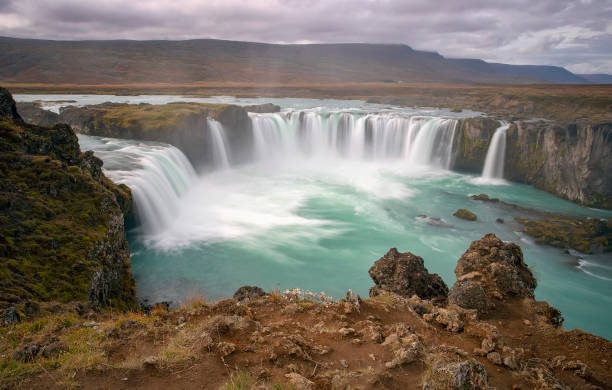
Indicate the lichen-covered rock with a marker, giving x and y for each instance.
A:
(299, 382)
(586, 235)
(248, 292)
(406, 349)
(405, 275)
(449, 318)
(465, 214)
(225, 348)
(542, 375)
(469, 294)
(452, 371)
(495, 265)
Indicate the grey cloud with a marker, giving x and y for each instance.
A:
(571, 33)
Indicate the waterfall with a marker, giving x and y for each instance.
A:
(494, 162)
(416, 140)
(268, 136)
(219, 149)
(433, 143)
(158, 174)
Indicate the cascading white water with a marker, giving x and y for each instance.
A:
(158, 174)
(312, 133)
(434, 142)
(494, 162)
(219, 145)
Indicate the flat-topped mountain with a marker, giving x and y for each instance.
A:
(209, 60)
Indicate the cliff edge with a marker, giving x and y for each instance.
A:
(62, 236)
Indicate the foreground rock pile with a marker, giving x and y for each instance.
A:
(486, 332)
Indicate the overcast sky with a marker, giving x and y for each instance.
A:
(575, 34)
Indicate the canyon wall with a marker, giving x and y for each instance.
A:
(183, 125)
(571, 161)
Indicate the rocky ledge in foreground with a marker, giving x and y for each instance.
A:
(62, 236)
(489, 333)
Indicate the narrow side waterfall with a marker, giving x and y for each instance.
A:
(416, 140)
(219, 144)
(494, 162)
(158, 174)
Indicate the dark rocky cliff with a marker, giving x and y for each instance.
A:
(472, 142)
(571, 161)
(183, 125)
(62, 236)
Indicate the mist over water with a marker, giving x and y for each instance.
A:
(328, 192)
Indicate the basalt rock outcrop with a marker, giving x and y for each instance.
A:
(62, 234)
(471, 143)
(32, 112)
(490, 270)
(248, 292)
(570, 160)
(263, 108)
(404, 274)
(183, 125)
(587, 235)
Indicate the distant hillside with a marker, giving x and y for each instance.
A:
(82, 62)
(597, 78)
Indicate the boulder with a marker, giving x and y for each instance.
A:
(497, 267)
(484, 198)
(469, 294)
(453, 372)
(405, 275)
(248, 292)
(10, 316)
(465, 214)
